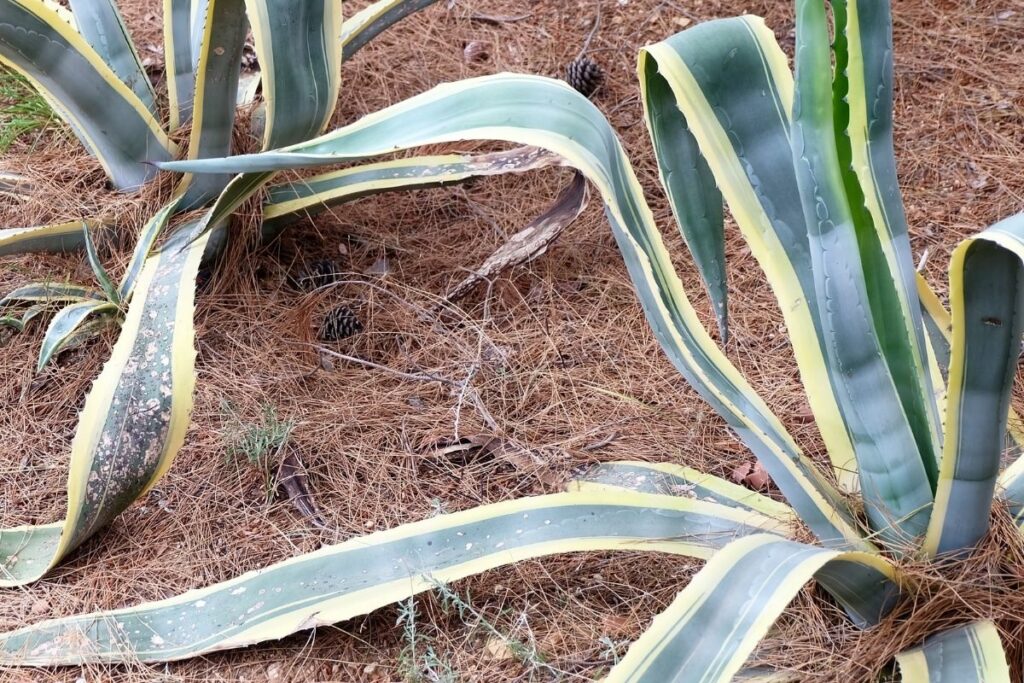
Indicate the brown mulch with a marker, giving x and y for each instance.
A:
(557, 351)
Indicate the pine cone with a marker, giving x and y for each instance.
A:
(317, 274)
(339, 324)
(585, 75)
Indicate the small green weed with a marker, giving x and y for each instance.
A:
(260, 442)
(22, 109)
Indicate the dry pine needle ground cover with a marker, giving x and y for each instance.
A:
(558, 353)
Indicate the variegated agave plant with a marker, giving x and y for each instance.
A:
(805, 164)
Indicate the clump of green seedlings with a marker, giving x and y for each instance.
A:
(258, 443)
(22, 109)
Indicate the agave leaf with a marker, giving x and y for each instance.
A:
(728, 83)
(143, 246)
(98, 270)
(862, 99)
(668, 479)
(53, 292)
(181, 80)
(100, 23)
(368, 23)
(710, 629)
(986, 283)
(287, 202)
(13, 322)
(298, 43)
(109, 119)
(894, 482)
(342, 581)
(968, 654)
(504, 107)
(65, 324)
(690, 185)
(56, 237)
(213, 116)
(147, 383)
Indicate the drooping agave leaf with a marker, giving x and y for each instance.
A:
(728, 83)
(690, 185)
(367, 24)
(939, 324)
(216, 82)
(677, 480)
(98, 270)
(109, 119)
(56, 237)
(986, 292)
(360, 575)
(504, 107)
(863, 131)
(710, 629)
(968, 654)
(298, 43)
(12, 322)
(289, 201)
(894, 482)
(65, 324)
(151, 230)
(100, 23)
(52, 292)
(147, 386)
(181, 80)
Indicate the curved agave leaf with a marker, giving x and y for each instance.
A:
(52, 292)
(213, 115)
(710, 629)
(181, 80)
(668, 479)
(690, 185)
(98, 270)
(728, 83)
(863, 130)
(65, 324)
(56, 237)
(986, 285)
(968, 654)
(894, 482)
(143, 246)
(113, 124)
(367, 24)
(147, 384)
(287, 202)
(939, 325)
(360, 575)
(100, 23)
(299, 47)
(505, 108)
